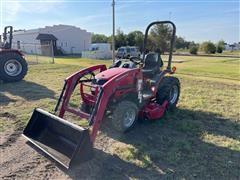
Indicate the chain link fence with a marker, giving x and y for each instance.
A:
(36, 53)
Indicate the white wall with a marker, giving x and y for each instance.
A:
(71, 39)
(28, 42)
(97, 54)
(101, 47)
(98, 51)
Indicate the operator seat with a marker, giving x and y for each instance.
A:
(151, 71)
(152, 64)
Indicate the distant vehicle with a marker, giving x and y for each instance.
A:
(127, 52)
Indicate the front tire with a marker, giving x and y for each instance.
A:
(169, 90)
(125, 116)
(13, 67)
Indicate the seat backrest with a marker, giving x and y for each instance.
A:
(152, 60)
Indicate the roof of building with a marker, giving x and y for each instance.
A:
(46, 37)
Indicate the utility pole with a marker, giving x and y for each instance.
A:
(170, 15)
(113, 33)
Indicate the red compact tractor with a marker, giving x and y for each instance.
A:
(13, 66)
(132, 89)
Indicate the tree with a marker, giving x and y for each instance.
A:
(219, 49)
(139, 37)
(181, 43)
(135, 38)
(221, 43)
(99, 38)
(131, 39)
(208, 47)
(193, 49)
(220, 46)
(120, 39)
(159, 38)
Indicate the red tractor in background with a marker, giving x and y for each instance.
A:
(13, 66)
(132, 89)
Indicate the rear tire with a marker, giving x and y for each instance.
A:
(13, 67)
(124, 116)
(169, 90)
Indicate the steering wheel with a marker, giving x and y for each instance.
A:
(135, 59)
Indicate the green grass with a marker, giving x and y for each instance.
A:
(226, 68)
(216, 67)
(231, 53)
(200, 140)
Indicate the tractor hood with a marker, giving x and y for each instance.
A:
(11, 51)
(110, 73)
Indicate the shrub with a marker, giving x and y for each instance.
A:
(220, 46)
(208, 47)
(219, 49)
(193, 50)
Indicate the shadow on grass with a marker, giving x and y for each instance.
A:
(25, 89)
(102, 166)
(184, 144)
(107, 166)
(4, 100)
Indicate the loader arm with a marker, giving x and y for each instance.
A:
(103, 97)
(106, 92)
(69, 86)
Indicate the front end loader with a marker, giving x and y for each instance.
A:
(130, 90)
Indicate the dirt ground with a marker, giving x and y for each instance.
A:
(20, 160)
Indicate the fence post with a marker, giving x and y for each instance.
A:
(36, 53)
(53, 61)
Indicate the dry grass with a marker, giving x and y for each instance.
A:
(201, 139)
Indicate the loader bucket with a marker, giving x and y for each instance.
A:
(63, 141)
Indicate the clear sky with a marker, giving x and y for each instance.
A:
(197, 20)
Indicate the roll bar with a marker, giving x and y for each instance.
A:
(10, 36)
(172, 40)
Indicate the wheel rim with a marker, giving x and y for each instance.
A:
(173, 94)
(13, 67)
(129, 118)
